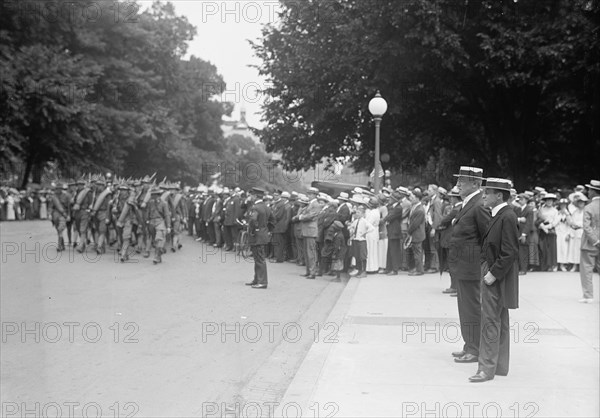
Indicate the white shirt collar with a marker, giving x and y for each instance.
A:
(496, 209)
(469, 197)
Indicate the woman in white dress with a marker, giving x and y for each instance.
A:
(10, 207)
(43, 206)
(576, 231)
(382, 246)
(372, 216)
(563, 235)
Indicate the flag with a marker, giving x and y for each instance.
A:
(380, 171)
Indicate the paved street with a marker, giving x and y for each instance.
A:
(392, 357)
(185, 338)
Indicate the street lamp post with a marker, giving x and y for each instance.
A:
(377, 107)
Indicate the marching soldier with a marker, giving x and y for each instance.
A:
(83, 207)
(177, 217)
(61, 201)
(125, 215)
(159, 223)
(101, 214)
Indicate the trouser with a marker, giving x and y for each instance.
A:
(494, 346)
(359, 251)
(292, 249)
(176, 233)
(430, 251)
(416, 253)
(84, 224)
(586, 271)
(279, 244)
(157, 231)
(191, 224)
(210, 227)
(393, 254)
(69, 225)
(198, 227)
(260, 264)
(101, 230)
(60, 223)
(203, 230)
(228, 236)
(310, 255)
(300, 247)
(547, 247)
(218, 234)
(125, 233)
(469, 314)
(406, 262)
(523, 256)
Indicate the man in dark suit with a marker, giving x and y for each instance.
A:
(500, 288)
(464, 259)
(260, 225)
(233, 210)
(393, 221)
(524, 214)
(445, 233)
(416, 231)
(281, 216)
(207, 210)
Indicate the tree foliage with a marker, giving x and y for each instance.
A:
(105, 86)
(510, 86)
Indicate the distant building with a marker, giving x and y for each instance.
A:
(232, 126)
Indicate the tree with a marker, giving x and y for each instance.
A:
(510, 86)
(105, 91)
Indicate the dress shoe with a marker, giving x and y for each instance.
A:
(361, 275)
(481, 376)
(449, 290)
(458, 353)
(454, 294)
(522, 273)
(252, 283)
(391, 273)
(416, 273)
(586, 300)
(259, 286)
(467, 358)
(305, 275)
(311, 277)
(431, 271)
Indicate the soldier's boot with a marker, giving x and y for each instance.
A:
(157, 256)
(125, 247)
(81, 245)
(61, 244)
(100, 244)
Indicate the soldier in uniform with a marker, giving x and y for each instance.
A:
(101, 214)
(125, 214)
(61, 205)
(76, 214)
(159, 223)
(232, 209)
(177, 217)
(281, 216)
(260, 225)
(83, 207)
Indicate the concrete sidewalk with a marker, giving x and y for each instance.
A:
(392, 356)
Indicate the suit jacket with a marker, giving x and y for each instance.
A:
(527, 226)
(501, 253)
(232, 210)
(324, 221)
(280, 214)
(207, 208)
(260, 223)
(308, 217)
(416, 223)
(394, 221)
(470, 226)
(343, 213)
(217, 211)
(435, 211)
(445, 226)
(591, 225)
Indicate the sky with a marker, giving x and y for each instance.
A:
(223, 28)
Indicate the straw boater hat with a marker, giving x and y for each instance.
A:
(403, 190)
(577, 196)
(498, 184)
(454, 192)
(343, 196)
(549, 196)
(594, 184)
(313, 190)
(285, 195)
(358, 199)
(470, 172)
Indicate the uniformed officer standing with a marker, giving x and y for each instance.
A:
(125, 213)
(260, 225)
